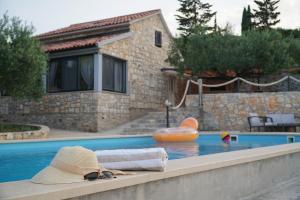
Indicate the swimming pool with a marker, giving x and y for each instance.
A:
(19, 161)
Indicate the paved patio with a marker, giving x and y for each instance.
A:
(58, 133)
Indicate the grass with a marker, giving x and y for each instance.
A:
(17, 128)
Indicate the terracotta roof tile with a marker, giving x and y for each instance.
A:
(99, 23)
(78, 43)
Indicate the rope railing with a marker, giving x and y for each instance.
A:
(294, 79)
(183, 97)
(229, 82)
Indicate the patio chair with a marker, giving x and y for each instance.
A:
(258, 122)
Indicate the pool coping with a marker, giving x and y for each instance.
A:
(141, 135)
(27, 190)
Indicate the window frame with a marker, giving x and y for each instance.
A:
(63, 59)
(125, 75)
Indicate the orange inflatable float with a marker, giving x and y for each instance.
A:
(186, 132)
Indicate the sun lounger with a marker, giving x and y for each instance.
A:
(281, 122)
(273, 122)
(257, 122)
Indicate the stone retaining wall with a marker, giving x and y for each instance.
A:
(229, 111)
(36, 134)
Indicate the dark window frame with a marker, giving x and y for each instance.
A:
(124, 75)
(158, 38)
(63, 59)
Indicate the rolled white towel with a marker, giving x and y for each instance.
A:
(133, 159)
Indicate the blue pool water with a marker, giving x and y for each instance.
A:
(20, 161)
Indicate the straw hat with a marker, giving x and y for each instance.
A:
(69, 165)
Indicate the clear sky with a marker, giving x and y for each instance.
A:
(47, 15)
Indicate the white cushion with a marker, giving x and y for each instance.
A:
(282, 118)
(255, 120)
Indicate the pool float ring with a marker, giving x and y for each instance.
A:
(225, 136)
(186, 132)
(189, 123)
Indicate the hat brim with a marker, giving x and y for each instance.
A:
(51, 175)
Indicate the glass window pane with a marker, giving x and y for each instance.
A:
(69, 74)
(158, 39)
(119, 83)
(114, 74)
(107, 73)
(86, 71)
(54, 76)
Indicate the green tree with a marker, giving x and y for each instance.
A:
(22, 61)
(295, 33)
(264, 50)
(194, 16)
(247, 23)
(249, 18)
(266, 15)
(244, 21)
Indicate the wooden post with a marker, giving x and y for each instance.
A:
(238, 85)
(288, 82)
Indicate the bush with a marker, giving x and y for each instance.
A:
(22, 61)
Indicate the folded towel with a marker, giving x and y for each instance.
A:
(150, 165)
(133, 159)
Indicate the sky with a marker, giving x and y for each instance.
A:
(47, 15)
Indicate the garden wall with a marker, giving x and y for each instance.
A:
(87, 111)
(229, 111)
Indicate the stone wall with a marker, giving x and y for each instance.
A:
(229, 111)
(75, 110)
(88, 111)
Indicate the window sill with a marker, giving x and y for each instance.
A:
(68, 92)
(116, 93)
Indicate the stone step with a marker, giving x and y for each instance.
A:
(155, 120)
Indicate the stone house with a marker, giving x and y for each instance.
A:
(101, 74)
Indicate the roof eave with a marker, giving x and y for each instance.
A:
(161, 17)
(114, 39)
(58, 35)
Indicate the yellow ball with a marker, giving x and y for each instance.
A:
(224, 134)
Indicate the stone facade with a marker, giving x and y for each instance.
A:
(146, 83)
(230, 111)
(95, 111)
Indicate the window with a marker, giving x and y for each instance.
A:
(114, 74)
(71, 74)
(158, 39)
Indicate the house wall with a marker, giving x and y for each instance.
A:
(147, 86)
(94, 111)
